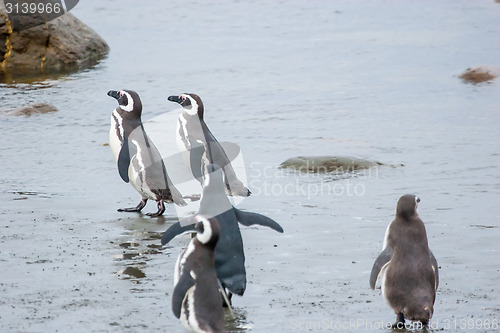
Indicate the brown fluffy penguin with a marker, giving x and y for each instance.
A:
(407, 268)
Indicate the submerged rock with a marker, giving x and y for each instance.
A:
(320, 164)
(60, 44)
(134, 272)
(31, 109)
(480, 74)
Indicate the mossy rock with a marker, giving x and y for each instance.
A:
(31, 109)
(323, 164)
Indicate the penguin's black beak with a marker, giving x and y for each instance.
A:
(113, 93)
(175, 99)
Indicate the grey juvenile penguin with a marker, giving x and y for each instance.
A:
(194, 136)
(139, 161)
(408, 269)
(196, 299)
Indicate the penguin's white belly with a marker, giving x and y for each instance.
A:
(137, 178)
(190, 321)
(179, 138)
(136, 172)
(114, 141)
(183, 142)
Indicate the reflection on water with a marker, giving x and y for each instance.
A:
(238, 321)
(139, 248)
(38, 76)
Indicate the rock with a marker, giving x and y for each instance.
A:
(31, 109)
(320, 164)
(60, 44)
(480, 74)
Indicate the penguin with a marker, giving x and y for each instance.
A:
(139, 161)
(195, 299)
(193, 135)
(229, 253)
(407, 267)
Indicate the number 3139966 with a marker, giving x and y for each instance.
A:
(470, 324)
(32, 8)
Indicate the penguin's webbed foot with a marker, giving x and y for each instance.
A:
(136, 209)
(161, 209)
(400, 322)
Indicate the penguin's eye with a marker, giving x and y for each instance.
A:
(417, 200)
(201, 228)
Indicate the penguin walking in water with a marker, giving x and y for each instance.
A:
(139, 161)
(196, 299)
(229, 253)
(194, 136)
(407, 268)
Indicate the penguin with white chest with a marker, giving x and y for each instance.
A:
(194, 136)
(139, 161)
(407, 267)
(229, 253)
(196, 299)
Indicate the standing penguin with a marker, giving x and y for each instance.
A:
(408, 269)
(139, 161)
(196, 300)
(229, 254)
(194, 136)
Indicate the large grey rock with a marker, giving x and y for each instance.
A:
(62, 43)
(319, 164)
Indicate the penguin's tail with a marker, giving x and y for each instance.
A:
(236, 188)
(170, 196)
(178, 199)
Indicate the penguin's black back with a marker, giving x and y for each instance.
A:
(229, 254)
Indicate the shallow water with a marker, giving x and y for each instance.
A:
(377, 80)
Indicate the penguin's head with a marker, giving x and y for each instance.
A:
(128, 100)
(191, 103)
(407, 205)
(207, 230)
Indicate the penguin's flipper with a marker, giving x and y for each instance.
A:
(183, 226)
(185, 283)
(383, 259)
(248, 219)
(195, 160)
(124, 161)
(435, 267)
